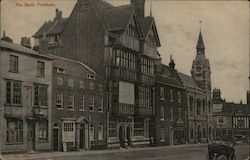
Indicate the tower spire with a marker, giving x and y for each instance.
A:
(200, 47)
(150, 8)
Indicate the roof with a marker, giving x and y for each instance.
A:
(146, 24)
(51, 27)
(118, 17)
(234, 109)
(22, 49)
(72, 66)
(200, 44)
(168, 76)
(188, 80)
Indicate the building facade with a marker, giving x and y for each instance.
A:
(26, 98)
(231, 119)
(120, 44)
(79, 107)
(170, 110)
(198, 96)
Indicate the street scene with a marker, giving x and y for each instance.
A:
(124, 79)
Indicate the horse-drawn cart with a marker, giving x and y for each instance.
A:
(221, 152)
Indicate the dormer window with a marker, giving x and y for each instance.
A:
(91, 76)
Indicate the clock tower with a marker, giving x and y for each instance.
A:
(201, 69)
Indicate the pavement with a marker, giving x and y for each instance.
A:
(176, 152)
(51, 155)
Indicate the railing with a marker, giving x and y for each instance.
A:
(13, 111)
(123, 109)
(145, 111)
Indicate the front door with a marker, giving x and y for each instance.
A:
(82, 136)
(31, 136)
(121, 137)
(129, 135)
(55, 139)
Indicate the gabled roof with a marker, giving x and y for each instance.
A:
(21, 49)
(234, 109)
(188, 80)
(168, 76)
(51, 27)
(72, 66)
(146, 24)
(118, 17)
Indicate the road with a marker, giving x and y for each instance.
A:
(192, 152)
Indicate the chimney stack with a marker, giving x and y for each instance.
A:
(248, 97)
(216, 93)
(25, 41)
(139, 7)
(58, 15)
(171, 63)
(43, 47)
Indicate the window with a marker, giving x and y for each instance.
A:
(198, 106)
(14, 131)
(59, 99)
(171, 114)
(138, 127)
(209, 106)
(91, 86)
(91, 102)
(60, 70)
(68, 134)
(179, 113)
(59, 81)
(100, 107)
(221, 120)
(162, 132)
(71, 82)
(13, 92)
(147, 66)
(204, 132)
(204, 105)
(40, 69)
(145, 96)
(13, 63)
(162, 113)
(41, 95)
(81, 84)
(100, 132)
(68, 127)
(126, 60)
(162, 93)
(100, 87)
(241, 122)
(191, 103)
(112, 129)
(191, 133)
(71, 100)
(81, 101)
(43, 130)
(91, 76)
(92, 132)
(171, 95)
(179, 97)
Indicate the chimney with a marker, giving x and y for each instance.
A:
(248, 97)
(25, 41)
(58, 15)
(6, 38)
(43, 47)
(171, 63)
(139, 7)
(216, 93)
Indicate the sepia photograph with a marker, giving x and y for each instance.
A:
(124, 79)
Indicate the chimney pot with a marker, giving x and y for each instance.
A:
(25, 41)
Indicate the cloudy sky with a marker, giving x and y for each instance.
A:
(225, 29)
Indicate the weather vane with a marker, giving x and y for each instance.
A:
(200, 21)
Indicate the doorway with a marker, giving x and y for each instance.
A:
(121, 136)
(56, 137)
(31, 136)
(171, 137)
(129, 135)
(199, 133)
(82, 136)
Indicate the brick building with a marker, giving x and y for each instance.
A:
(170, 110)
(198, 95)
(79, 107)
(25, 93)
(120, 44)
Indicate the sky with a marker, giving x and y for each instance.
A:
(225, 30)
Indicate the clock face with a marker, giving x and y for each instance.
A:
(198, 68)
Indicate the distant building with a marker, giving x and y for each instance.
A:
(231, 119)
(120, 44)
(170, 107)
(25, 98)
(198, 95)
(79, 110)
